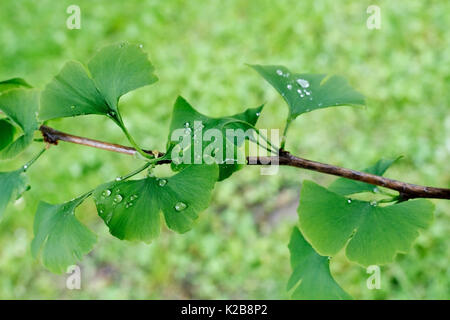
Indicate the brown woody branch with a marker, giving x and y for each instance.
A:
(406, 190)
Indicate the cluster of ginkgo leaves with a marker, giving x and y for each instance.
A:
(332, 218)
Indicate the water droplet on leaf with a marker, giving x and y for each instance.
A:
(106, 193)
(118, 198)
(304, 83)
(129, 204)
(180, 206)
(162, 182)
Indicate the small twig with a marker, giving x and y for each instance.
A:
(406, 190)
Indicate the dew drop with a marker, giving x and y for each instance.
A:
(304, 83)
(186, 125)
(279, 72)
(180, 206)
(118, 198)
(307, 92)
(373, 203)
(106, 193)
(162, 182)
(128, 205)
(141, 46)
(258, 114)
(25, 167)
(349, 201)
(289, 86)
(118, 178)
(187, 130)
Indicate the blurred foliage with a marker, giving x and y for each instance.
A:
(238, 248)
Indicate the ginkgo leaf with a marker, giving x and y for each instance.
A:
(372, 233)
(21, 107)
(71, 93)
(7, 131)
(345, 186)
(311, 278)
(131, 209)
(113, 71)
(308, 92)
(120, 68)
(12, 185)
(193, 125)
(13, 83)
(59, 236)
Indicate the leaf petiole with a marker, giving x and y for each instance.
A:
(118, 120)
(33, 160)
(283, 137)
(135, 172)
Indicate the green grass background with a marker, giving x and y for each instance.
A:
(238, 247)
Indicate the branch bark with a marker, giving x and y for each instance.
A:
(406, 190)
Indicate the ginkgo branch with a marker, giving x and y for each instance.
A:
(406, 190)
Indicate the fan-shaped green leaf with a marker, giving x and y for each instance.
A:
(13, 83)
(118, 69)
(371, 233)
(345, 186)
(71, 93)
(308, 92)
(114, 71)
(195, 124)
(12, 185)
(60, 237)
(131, 209)
(311, 278)
(20, 106)
(7, 131)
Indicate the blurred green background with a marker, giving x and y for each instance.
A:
(238, 247)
